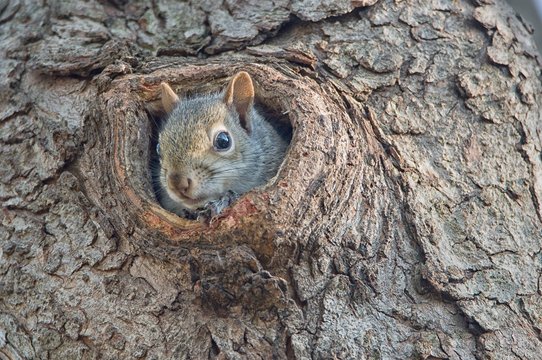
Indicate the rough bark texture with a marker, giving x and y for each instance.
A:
(404, 223)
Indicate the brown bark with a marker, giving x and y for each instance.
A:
(404, 223)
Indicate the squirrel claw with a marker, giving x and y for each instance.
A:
(215, 207)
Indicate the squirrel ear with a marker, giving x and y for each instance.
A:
(169, 98)
(240, 93)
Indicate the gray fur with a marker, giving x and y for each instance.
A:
(185, 145)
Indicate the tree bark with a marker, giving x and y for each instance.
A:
(405, 221)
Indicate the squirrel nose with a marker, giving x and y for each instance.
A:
(181, 183)
(185, 184)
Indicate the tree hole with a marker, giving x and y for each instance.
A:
(217, 174)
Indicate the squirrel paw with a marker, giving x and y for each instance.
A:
(215, 207)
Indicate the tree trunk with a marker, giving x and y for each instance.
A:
(405, 221)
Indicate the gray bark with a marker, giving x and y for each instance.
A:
(404, 223)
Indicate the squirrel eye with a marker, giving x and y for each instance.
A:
(222, 141)
(158, 149)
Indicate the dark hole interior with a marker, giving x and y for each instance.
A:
(275, 116)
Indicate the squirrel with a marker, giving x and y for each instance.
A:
(213, 148)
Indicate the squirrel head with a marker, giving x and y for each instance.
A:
(204, 146)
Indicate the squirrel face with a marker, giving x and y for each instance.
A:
(204, 147)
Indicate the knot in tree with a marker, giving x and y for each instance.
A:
(400, 217)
